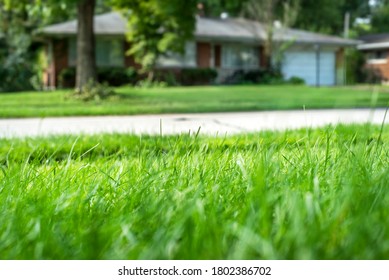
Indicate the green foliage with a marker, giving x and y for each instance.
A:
(355, 67)
(117, 76)
(113, 76)
(19, 55)
(270, 76)
(67, 77)
(327, 16)
(198, 76)
(187, 76)
(307, 194)
(214, 8)
(263, 77)
(16, 61)
(380, 19)
(157, 26)
(148, 84)
(19, 22)
(16, 77)
(295, 81)
(371, 76)
(322, 15)
(169, 77)
(92, 91)
(358, 72)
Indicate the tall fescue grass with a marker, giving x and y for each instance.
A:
(307, 194)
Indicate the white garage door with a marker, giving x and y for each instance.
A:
(303, 64)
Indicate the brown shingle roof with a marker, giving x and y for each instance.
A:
(374, 41)
(207, 28)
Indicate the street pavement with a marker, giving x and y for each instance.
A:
(209, 123)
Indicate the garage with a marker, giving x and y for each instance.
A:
(303, 64)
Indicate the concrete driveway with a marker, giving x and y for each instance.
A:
(210, 123)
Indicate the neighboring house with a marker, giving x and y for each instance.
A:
(226, 45)
(376, 50)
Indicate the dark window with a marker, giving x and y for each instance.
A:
(109, 52)
(377, 55)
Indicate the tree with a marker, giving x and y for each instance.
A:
(86, 64)
(26, 15)
(17, 22)
(214, 8)
(380, 17)
(327, 16)
(267, 12)
(86, 70)
(157, 27)
(263, 11)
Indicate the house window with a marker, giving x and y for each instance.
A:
(240, 56)
(377, 57)
(178, 60)
(108, 52)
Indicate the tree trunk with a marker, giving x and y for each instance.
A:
(269, 47)
(86, 62)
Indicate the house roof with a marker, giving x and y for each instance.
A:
(207, 28)
(374, 41)
(244, 29)
(105, 24)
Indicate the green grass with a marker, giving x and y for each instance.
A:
(130, 101)
(307, 194)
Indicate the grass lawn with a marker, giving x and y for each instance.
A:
(307, 194)
(131, 101)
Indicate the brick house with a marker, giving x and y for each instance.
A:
(375, 47)
(226, 45)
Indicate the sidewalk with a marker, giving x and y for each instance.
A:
(210, 123)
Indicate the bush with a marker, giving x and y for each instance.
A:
(116, 76)
(371, 76)
(198, 76)
(296, 81)
(355, 68)
(93, 92)
(15, 78)
(113, 76)
(17, 56)
(151, 84)
(169, 77)
(259, 76)
(67, 78)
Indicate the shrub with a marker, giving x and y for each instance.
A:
(198, 76)
(15, 78)
(18, 54)
(356, 71)
(272, 76)
(67, 78)
(117, 76)
(113, 76)
(169, 77)
(258, 76)
(146, 83)
(296, 81)
(93, 92)
(371, 76)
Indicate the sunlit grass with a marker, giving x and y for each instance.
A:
(307, 194)
(130, 101)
